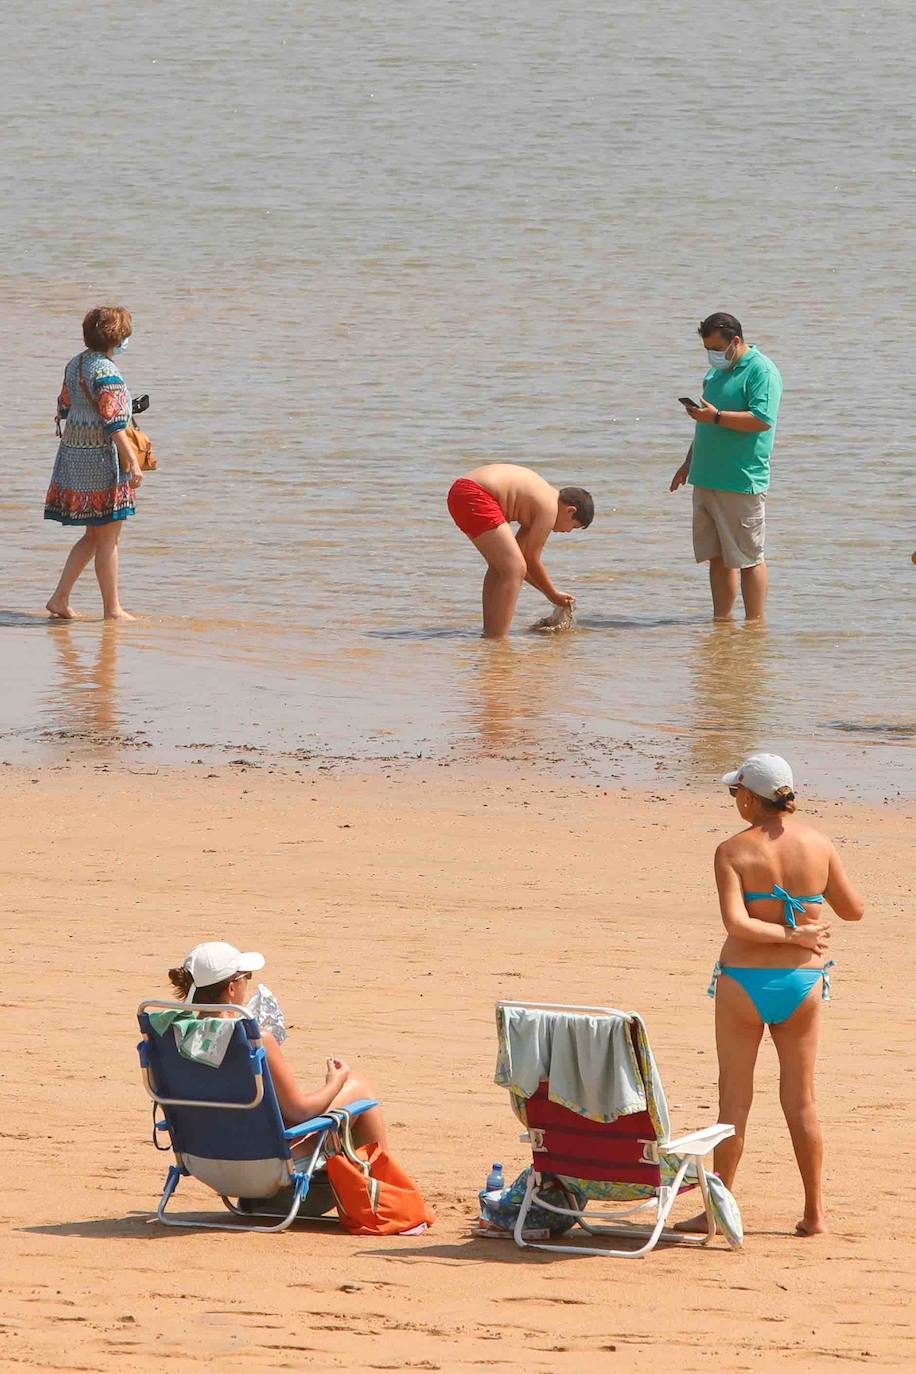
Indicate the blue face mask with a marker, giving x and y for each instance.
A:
(718, 358)
(121, 348)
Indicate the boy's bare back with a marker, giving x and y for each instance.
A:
(523, 496)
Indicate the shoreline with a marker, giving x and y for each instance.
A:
(621, 706)
(393, 912)
(643, 771)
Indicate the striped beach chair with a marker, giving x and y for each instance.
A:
(603, 1126)
(224, 1126)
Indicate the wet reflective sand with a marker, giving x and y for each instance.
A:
(645, 704)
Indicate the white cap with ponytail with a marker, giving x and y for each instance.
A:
(766, 775)
(215, 961)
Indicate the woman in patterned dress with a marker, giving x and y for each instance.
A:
(95, 474)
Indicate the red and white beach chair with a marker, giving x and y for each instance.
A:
(584, 1082)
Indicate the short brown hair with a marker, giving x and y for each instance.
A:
(581, 502)
(106, 326)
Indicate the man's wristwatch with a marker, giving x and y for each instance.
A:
(718, 417)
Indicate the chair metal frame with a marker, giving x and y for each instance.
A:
(324, 1127)
(690, 1149)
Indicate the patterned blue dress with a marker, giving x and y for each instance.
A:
(87, 485)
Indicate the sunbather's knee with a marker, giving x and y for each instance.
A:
(355, 1089)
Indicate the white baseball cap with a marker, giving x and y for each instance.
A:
(762, 774)
(215, 961)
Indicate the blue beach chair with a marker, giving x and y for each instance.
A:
(225, 1126)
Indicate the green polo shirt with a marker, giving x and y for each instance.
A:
(725, 459)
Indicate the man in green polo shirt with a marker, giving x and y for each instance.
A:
(728, 465)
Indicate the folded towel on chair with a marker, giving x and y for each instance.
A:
(205, 1039)
(588, 1062)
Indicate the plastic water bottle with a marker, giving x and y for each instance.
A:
(495, 1184)
(495, 1181)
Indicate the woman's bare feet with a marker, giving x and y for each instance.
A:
(812, 1226)
(119, 614)
(697, 1224)
(60, 610)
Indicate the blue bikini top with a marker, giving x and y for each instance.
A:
(791, 905)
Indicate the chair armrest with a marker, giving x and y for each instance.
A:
(357, 1108)
(698, 1142)
(327, 1123)
(317, 1123)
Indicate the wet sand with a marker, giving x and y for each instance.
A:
(393, 912)
(642, 703)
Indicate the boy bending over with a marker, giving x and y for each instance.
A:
(484, 503)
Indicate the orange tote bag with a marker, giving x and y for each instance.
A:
(373, 1194)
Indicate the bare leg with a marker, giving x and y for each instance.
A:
(371, 1126)
(739, 1031)
(723, 583)
(77, 559)
(754, 583)
(796, 1045)
(503, 580)
(106, 569)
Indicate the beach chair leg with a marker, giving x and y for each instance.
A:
(300, 1189)
(523, 1212)
(171, 1183)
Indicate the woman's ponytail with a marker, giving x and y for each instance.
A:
(181, 981)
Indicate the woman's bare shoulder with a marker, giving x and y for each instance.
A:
(730, 849)
(810, 835)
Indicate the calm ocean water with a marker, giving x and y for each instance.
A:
(369, 246)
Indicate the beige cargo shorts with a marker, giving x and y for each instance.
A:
(730, 525)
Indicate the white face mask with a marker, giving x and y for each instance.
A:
(122, 347)
(719, 359)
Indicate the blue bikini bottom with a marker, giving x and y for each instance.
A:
(775, 992)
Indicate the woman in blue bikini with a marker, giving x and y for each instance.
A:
(772, 970)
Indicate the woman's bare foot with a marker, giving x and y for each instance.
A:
(60, 610)
(698, 1224)
(119, 614)
(812, 1226)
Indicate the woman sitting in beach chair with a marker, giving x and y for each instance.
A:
(217, 972)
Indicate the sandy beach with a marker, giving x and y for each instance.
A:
(393, 911)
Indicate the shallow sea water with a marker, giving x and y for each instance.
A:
(368, 247)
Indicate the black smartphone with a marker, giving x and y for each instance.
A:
(139, 404)
(686, 401)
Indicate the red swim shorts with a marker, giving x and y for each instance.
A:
(473, 509)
